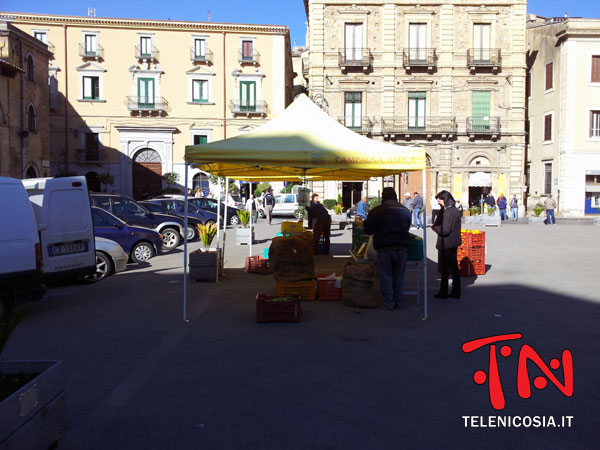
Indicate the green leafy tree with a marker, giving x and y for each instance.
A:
(106, 179)
(171, 178)
(329, 203)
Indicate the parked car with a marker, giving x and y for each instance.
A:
(110, 258)
(21, 256)
(207, 204)
(192, 228)
(233, 200)
(141, 244)
(133, 213)
(285, 205)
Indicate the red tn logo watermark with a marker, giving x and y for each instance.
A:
(526, 354)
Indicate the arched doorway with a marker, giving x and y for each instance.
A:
(146, 174)
(31, 172)
(200, 181)
(93, 183)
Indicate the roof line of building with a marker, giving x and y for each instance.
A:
(173, 24)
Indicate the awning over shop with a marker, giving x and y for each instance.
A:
(480, 179)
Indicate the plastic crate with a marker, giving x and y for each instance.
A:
(269, 311)
(292, 227)
(306, 289)
(470, 239)
(473, 253)
(258, 264)
(415, 249)
(469, 268)
(326, 289)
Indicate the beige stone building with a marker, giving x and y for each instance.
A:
(127, 95)
(447, 75)
(24, 127)
(563, 155)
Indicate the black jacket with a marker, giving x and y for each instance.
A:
(447, 226)
(268, 200)
(317, 210)
(389, 224)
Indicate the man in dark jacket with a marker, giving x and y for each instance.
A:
(490, 201)
(389, 224)
(268, 203)
(447, 226)
(417, 211)
(322, 223)
(313, 201)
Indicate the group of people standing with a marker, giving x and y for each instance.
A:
(502, 204)
(415, 206)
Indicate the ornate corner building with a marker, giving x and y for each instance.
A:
(446, 75)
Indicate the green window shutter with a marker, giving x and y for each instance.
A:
(417, 95)
(200, 139)
(481, 110)
(247, 95)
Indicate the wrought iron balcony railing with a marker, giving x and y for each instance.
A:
(361, 125)
(354, 57)
(483, 125)
(483, 57)
(140, 104)
(207, 57)
(419, 125)
(259, 107)
(87, 155)
(419, 57)
(85, 53)
(146, 54)
(249, 58)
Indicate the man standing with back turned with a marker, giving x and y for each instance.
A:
(389, 224)
(268, 203)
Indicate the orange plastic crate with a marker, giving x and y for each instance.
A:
(269, 311)
(326, 289)
(473, 253)
(469, 268)
(258, 264)
(306, 289)
(473, 239)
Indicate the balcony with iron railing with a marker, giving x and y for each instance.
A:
(483, 126)
(355, 57)
(360, 125)
(207, 57)
(140, 105)
(146, 54)
(259, 107)
(89, 155)
(444, 127)
(489, 58)
(248, 57)
(87, 53)
(419, 57)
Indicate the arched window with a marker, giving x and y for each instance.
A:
(31, 118)
(30, 69)
(31, 172)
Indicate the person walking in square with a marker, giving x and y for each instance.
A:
(252, 208)
(502, 203)
(447, 226)
(268, 203)
(550, 205)
(417, 211)
(389, 223)
(514, 208)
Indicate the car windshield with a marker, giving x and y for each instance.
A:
(102, 218)
(191, 207)
(123, 206)
(153, 207)
(236, 198)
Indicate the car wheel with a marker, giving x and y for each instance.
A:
(191, 232)
(171, 238)
(298, 214)
(142, 252)
(209, 222)
(261, 213)
(6, 304)
(103, 268)
(234, 220)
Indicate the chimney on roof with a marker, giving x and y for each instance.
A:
(566, 15)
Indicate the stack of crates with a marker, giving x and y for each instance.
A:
(471, 254)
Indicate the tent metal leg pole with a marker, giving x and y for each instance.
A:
(225, 221)
(424, 220)
(185, 243)
(251, 224)
(218, 268)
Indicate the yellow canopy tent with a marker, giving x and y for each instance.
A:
(303, 143)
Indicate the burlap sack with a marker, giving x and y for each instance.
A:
(358, 285)
(291, 258)
(360, 271)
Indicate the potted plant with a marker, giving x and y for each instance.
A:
(537, 217)
(242, 235)
(106, 179)
(32, 398)
(206, 263)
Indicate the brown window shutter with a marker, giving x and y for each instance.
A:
(596, 69)
(549, 80)
(548, 127)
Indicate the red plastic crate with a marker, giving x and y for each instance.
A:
(269, 311)
(469, 268)
(473, 239)
(326, 289)
(473, 253)
(258, 264)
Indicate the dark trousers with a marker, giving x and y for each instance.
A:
(322, 226)
(449, 264)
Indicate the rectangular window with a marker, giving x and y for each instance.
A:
(91, 88)
(200, 139)
(247, 95)
(353, 110)
(528, 177)
(417, 41)
(548, 127)
(353, 41)
(247, 50)
(548, 178)
(200, 91)
(482, 37)
(416, 110)
(91, 44)
(200, 48)
(41, 35)
(92, 147)
(146, 92)
(549, 76)
(596, 69)
(594, 123)
(481, 110)
(145, 46)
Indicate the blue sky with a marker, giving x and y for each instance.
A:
(273, 12)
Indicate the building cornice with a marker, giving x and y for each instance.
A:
(142, 23)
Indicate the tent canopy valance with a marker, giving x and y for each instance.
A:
(303, 142)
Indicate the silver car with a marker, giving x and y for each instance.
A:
(110, 258)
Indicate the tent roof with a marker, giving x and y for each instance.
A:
(303, 141)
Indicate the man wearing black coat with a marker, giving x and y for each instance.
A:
(322, 223)
(389, 224)
(447, 226)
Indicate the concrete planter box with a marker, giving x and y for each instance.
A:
(533, 220)
(491, 221)
(340, 219)
(206, 265)
(33, 417)
(474, 221)
(242, 235)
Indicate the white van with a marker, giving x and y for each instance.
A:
(20, 253)
(64, 218)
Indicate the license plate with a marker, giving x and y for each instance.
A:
(67, 248)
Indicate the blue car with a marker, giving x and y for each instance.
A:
(139, 243)
(176, 207)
